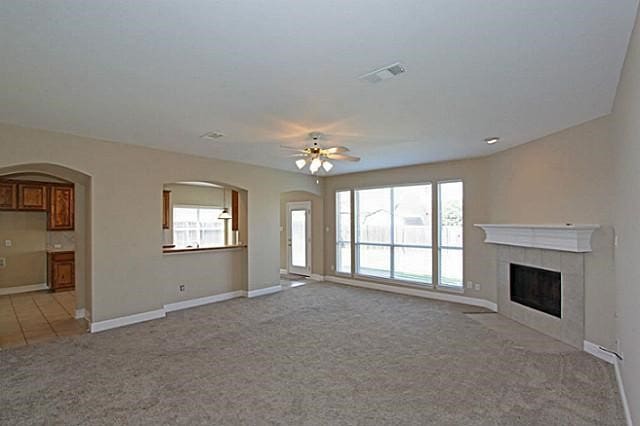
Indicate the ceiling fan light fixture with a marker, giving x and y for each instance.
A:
(327, 166)
(301, 163)
(315, 165)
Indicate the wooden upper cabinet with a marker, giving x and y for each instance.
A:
(234, 210)
(61, 208)
(8, 196)
(32, 196)
(166, 209)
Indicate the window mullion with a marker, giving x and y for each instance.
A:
(392, 234)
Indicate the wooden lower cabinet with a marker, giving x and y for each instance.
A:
(61, 271)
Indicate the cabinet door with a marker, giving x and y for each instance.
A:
(63, 274)
(61, 208)
(32, 196)
(234, 210)
(8, 199)
(166, 209)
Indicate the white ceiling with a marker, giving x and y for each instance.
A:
(163, 73)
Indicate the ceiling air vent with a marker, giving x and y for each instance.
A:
(384, 73)
(212, 135)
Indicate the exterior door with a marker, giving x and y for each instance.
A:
(299, 238)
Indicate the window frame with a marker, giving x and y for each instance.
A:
(351, 192)
(438, 257)
(355, 261)
(199, 207)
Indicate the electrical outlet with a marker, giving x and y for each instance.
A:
(333, 267)
(181, 287)
(477, 286)
(8, 243)
(469, 284)
(3, 262)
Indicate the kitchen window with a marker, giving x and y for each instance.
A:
(198, 226)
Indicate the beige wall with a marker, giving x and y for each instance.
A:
(26, 258)
(126, 198)
(317, 233)
(478, 266)
(565, 178)
(626, 135)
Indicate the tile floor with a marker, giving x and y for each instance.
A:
(29, 318)
(292, 280)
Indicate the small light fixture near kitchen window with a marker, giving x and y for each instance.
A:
(492, 140)
(224, 215)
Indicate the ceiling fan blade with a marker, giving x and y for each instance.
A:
(297, 155)
(337, 149)
(293, 148)
(343, 157)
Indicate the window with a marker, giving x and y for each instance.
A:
(450, 231)
(343, 232)
(198, 226)
(393, 233)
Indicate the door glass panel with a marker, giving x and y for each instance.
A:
(299, 238)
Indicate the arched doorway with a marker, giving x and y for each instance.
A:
(45, 222)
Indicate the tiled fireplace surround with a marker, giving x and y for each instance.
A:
(569, 328)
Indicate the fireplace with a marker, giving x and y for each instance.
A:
(536, 288)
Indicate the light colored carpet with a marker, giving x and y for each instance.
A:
(316, 354)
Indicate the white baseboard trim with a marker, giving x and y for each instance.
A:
(593, 349)
(623, 394)
(170, 307)
(411, 291)
(79, 314)
(192, 303)
(23, 289)
(127, 320)
(263, 291)
(283, 272)
(317, 277)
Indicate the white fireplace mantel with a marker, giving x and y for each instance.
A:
(574, 238)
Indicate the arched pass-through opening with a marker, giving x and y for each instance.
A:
(46, 245)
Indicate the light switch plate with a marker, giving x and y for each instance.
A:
(8, 243)
(3, 262)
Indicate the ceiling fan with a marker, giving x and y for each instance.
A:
(317, 156)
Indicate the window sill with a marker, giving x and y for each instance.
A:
(382, 280)
(200, 249)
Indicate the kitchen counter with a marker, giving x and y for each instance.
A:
(60, 250)
(200, 249)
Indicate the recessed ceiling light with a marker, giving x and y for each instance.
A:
(492, 140)
(212, 135)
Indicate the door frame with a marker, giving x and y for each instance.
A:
(294, 206)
